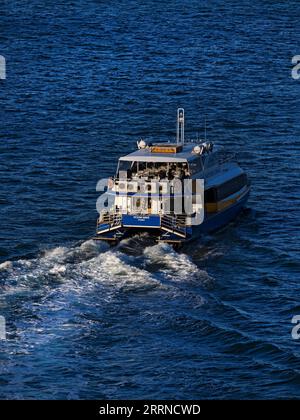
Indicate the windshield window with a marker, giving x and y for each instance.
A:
(154, 170)
(196, 165)
(123, 166)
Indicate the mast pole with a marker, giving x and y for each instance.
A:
(180, 126)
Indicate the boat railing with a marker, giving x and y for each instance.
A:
(181, 220)
(173, 223)
(112, 218)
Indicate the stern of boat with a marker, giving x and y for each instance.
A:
(114, 226)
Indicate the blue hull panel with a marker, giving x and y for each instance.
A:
(148, 220)
(221, 219)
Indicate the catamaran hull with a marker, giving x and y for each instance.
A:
(221, 219)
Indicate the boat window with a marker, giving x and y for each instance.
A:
(129, 167)
(196, 165)
(232, 186)
(160, 170)
(124, 165)
(210, 195)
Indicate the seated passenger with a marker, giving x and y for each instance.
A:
(162, 173)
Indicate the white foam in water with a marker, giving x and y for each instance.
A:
(6, 265)
(76, 268)
(58, 269)
(80, 267)
(63, 277)
(87, 249)
(175, 265)
(57, 286)
(113, 267)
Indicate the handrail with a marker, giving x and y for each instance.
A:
(171, 223)
(113, 218)
(175, 223)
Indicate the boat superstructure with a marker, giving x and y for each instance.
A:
(174, 191)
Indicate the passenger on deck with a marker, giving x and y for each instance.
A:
(162, 174)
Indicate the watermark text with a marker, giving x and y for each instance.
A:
(2, 68)
(296, 68)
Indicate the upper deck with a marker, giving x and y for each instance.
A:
(147, 154)
(176, 160)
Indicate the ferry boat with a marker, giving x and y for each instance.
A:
(142, 195)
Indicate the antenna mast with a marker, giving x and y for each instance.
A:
(180, 126)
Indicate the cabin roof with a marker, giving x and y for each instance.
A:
(230, 170)
(145, 155)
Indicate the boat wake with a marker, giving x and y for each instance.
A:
(100, 263)
(58, 286)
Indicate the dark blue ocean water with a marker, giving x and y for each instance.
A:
(85, 80)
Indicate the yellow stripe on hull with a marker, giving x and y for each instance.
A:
(221, 205)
